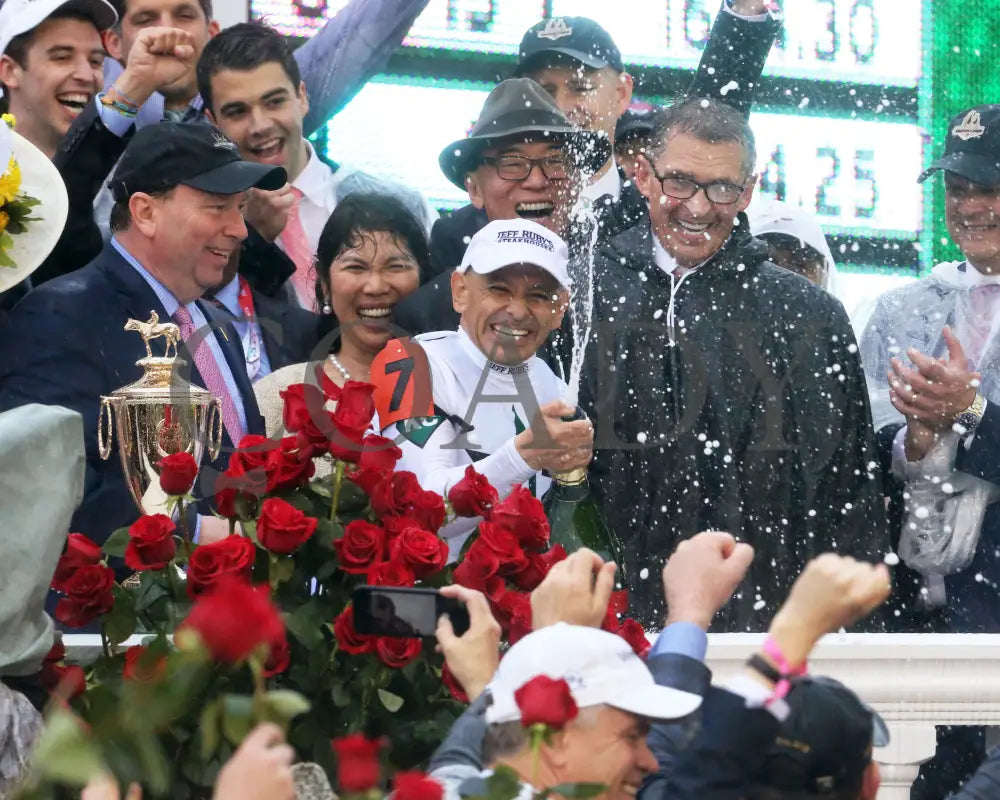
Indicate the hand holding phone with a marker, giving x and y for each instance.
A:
(405, 611)
(474, 656)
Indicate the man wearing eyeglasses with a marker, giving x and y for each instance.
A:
(726, 393)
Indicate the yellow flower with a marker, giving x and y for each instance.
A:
(10, 182)
(4, 219)
(9, 119)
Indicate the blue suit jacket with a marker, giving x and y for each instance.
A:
(65, 344)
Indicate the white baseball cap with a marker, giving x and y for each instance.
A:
(601, 668)
(505, 242)
(767, 215)
(21, 16)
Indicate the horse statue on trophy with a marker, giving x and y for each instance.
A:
(154, 329)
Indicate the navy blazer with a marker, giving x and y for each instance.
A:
(65, 344)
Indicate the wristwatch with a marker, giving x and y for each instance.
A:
(967, 421)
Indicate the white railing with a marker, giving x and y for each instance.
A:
(915, 681)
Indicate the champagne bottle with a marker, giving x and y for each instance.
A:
(575, 521)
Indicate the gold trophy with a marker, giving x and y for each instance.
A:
(158, 415)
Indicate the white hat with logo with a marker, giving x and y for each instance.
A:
(601, 668)
(503, 243)
(21, 16)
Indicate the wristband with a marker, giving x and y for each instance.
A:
(123, 96)
(784, 671)
(121, 108)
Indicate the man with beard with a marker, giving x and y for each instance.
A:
(727, 393)
(578, 63)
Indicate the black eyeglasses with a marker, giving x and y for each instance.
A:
(517, 168)
(719, 192)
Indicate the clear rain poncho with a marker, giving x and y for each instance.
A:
(944, 508)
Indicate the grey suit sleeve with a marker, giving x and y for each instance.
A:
(349, 50)
(463, 747)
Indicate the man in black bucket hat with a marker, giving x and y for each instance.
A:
(577, 62)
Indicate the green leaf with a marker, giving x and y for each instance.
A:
(578, 791)
(306, 624)
(120, 623)
(237, 717)
(503, 784)
(340, 696)
(64, 752)
(392, 702)
(208, 729)
(116, 543)
(282, 568)
(283, 705)
(153, 589)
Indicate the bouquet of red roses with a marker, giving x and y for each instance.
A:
(259, 626)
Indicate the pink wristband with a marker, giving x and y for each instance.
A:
(782, 687)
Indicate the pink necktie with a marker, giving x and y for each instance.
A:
(984, 301)
(296, 243)
(211, 373)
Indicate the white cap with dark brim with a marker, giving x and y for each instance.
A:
(601, 668)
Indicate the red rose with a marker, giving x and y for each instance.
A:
(80, 551)
(617, 605)
(232, 556)
(395, 495)
(315, 433)
(279, 657)
(396, 525)
(523, 514)
(141, 667)
(244, 481)
(88, 595)
(251, 454)
(416, 786)
(361, 547)
(68, 682)
(303, 404)
(345, 444)
(452, 685)
(391, 573)
(379, 453)
(358, 767)
(505, 544)
(513, 612)
(288, 465)
(355, 406)
(233, 619)
(177, 473)
(473, 496)
(632, 632)
(546, 701)
(348, 639)
(397, 652)
(367, 478)
(282, 528)
(477, 567)
(537, 567)
(422, 551)
(151, 543)
(52, 670)
(428, 508)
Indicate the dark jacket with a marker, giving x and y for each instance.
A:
(733, 59)
(755, 420)
(65, 344)
(290, 333)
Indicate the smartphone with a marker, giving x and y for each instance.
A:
(399, 611)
